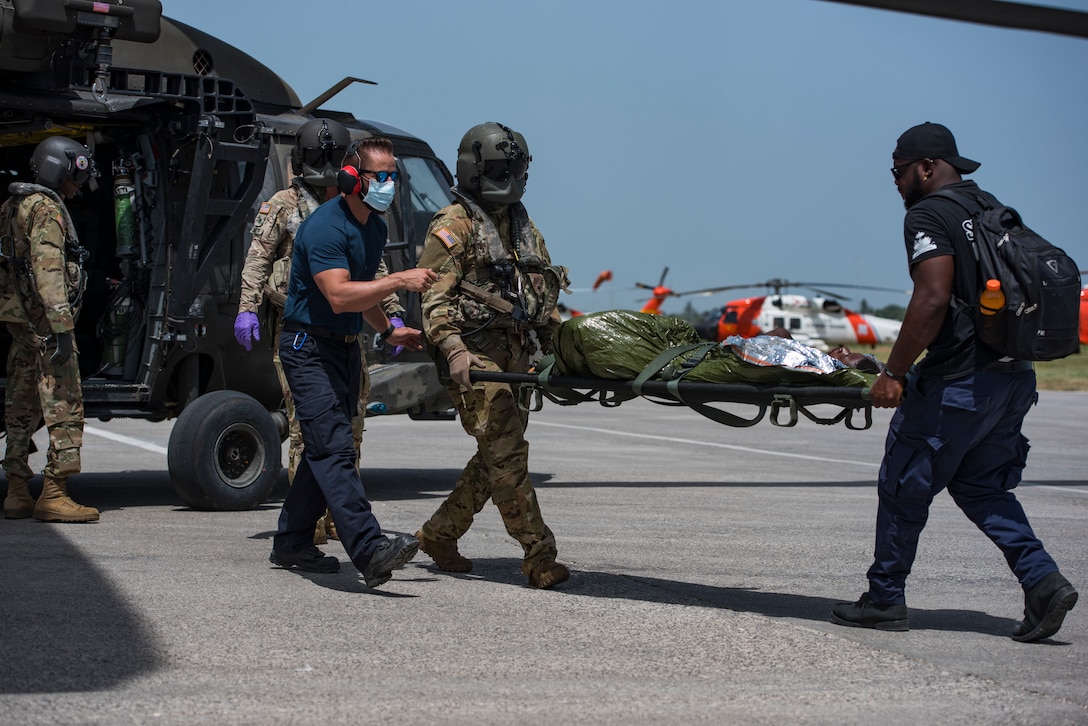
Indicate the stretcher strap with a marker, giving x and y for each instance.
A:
(672, 374)
(563, 396)
(664, 364)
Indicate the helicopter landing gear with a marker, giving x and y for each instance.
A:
(224, 452)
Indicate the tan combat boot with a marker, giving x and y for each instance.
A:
(55, 506)
(320, 537)
(325, 529)
(444, 553)
(18, 504)
(548, 574)
(330, 527)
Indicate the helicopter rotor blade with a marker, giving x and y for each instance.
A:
(712, 290)
(851, 286)
(825, 293)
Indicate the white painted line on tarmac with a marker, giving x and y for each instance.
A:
(124, 439)
(713, 444)
(1055, 489)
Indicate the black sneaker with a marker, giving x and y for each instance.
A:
(1045, 606)
(389, 554)
(310, 559)
(867, 614)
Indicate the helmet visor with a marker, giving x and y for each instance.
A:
(503, 169)
(320, 156)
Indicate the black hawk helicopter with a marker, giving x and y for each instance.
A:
(190, 134)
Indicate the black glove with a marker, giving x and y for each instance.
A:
(65, 345)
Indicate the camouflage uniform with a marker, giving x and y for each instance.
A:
(37, 303)
(461, 249)
(266, 273)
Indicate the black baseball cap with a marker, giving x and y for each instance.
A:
(932, 141)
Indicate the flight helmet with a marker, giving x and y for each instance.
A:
(493, 163)
(319, 149)
(58, 158)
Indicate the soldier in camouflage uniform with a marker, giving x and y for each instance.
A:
(41, 282)
(318, 153)
(493, 307)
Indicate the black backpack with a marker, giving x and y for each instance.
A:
(1041, 284)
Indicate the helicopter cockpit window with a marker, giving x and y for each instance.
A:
(427, 192)
(730, 315)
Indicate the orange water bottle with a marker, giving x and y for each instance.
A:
(992, 306)
(992, 300)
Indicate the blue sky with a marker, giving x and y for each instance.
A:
(731, 141)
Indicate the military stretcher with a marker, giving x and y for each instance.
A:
(785, 403)
(615, 356)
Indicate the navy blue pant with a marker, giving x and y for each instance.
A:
(963, 435)
(324, 376)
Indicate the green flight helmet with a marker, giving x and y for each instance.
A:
(319, 151)
(493, 163)
(59, 158)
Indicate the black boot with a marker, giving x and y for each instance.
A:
(867, 614)
(1045, 606)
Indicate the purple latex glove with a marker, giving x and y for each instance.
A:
(397, 323)
(247, 329)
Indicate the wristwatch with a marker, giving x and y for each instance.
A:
(387, 333)
(901, 379)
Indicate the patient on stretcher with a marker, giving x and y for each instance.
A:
(620, 344)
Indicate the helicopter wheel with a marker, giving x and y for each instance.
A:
(224, 452)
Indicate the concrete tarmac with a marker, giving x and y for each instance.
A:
(705, 563)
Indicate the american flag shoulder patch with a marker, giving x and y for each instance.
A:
(448, 238)
(265, 208)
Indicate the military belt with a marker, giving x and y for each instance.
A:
(321, 333)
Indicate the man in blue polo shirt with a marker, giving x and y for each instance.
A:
(331, 291)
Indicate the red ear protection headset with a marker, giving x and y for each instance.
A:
(348, 180)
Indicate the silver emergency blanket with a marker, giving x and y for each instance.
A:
(770, 350)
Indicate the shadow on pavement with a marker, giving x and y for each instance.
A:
(65, 628)
(588, 583)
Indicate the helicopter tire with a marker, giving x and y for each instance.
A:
(224, 452)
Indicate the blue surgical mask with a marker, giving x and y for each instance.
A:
(380, 195)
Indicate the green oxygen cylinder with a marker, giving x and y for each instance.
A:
(124, 200)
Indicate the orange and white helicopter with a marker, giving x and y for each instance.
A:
(821, 321)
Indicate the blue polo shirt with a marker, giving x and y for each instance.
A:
(329, 239)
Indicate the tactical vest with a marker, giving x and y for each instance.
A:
(20, 301)
(519, 292)
(275, 288)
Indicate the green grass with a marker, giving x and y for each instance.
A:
(1067, 374)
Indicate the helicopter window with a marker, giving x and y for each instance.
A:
(428, 189)
(730, 315)
(795, 323)
(779, 323)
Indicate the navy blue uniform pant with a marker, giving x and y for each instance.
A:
(324, 377)
(963, 435)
